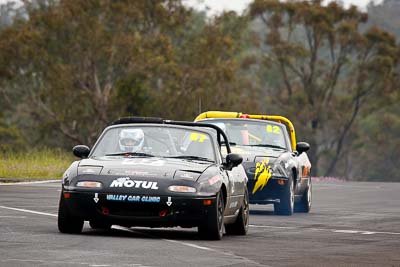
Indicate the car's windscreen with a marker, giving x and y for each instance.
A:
(148, 141)
(252, 133)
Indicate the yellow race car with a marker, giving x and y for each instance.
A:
(276, 165)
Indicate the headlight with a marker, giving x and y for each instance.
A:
(89, 184)
(182, 189)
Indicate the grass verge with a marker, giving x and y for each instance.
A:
(43, 164)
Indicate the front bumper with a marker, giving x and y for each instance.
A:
(270, 193)
(138, 210)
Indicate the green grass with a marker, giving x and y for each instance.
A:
(44, 163)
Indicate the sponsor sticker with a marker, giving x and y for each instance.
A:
(128, 183)
(133, 198)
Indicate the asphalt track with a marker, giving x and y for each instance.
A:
(351, 224)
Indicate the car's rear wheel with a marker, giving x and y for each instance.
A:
(98, 225)
(213, 226)
(286, 205)
(241, 225)
(66, 222)
(304, 205)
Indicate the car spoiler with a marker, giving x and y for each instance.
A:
(226, 114)
(132, 120)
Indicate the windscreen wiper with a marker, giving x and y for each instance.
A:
(267, 145)
(138, 154)
(192, 158)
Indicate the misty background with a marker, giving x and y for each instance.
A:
(69, 68)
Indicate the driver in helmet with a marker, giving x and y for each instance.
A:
(131, 140)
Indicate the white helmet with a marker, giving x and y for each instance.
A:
(131, 140)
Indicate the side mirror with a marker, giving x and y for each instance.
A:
(81, 151)
(233, 160)
(302, 147)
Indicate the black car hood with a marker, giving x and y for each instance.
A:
(269, 157)
(153, 167)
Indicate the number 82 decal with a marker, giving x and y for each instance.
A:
(273, 129)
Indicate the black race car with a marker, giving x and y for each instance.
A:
(277, 167)
(156, 173)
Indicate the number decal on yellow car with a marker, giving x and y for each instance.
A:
(273, 129)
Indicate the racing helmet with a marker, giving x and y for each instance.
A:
(131, 140)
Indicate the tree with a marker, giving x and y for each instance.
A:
(329, 70)
(70, 63)
(207, 66)
(70, 67)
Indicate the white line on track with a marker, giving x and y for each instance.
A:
(363, 232)
(168, 240)
(231, 255)
(190, 245)
(35, 262)
(13, 217)
(29, 211)
(34, 182)
(339, 231)
(35, 206)
(342, 231)
(270, 226)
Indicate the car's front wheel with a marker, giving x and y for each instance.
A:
(241, 225)
(66, 222)
(213, 226)
(304, 205)
(286, 205)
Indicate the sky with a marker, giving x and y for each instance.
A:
(217, 6)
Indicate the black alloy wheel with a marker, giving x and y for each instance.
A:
(304, 205)
(213, 226)
(241, 225)
(286, 205)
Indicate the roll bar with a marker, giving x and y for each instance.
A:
(226, 114)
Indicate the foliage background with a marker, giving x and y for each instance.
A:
(70, 67)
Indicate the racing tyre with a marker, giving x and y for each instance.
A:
(304, 205)
(286, 205)
(66, 222)
(241, 225)
(213, 227)
(99, 225)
